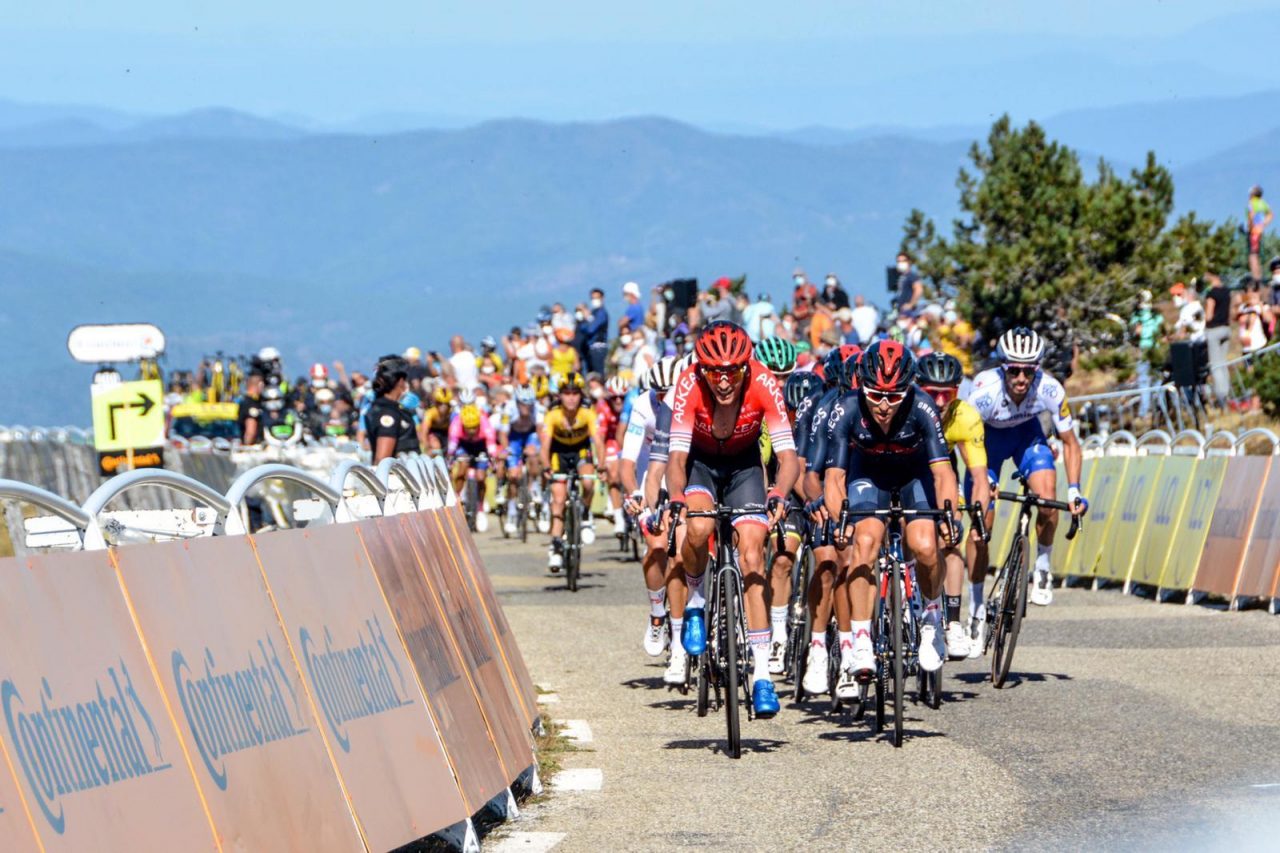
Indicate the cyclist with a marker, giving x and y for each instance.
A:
(940, 375)
(779, 355)
(828, 587)
(434, 429)
(570, 440)
(889, 437)
(634, 456)
(471, 436)
(610, 423)
(519, 433)
(1010, 399)
(720, 405)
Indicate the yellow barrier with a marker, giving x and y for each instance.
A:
(1124, 536)
(1192, 525)
(1105, 486)
(1232, 523)
(1171, 494)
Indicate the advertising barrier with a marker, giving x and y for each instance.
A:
(438, 661)
(1128, 522)
(1192, 525)
(90, 742)
(1230, 527)
(228, 672)
(1261, 568)
(379, 730)
(1163, 516)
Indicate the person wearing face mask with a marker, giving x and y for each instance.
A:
(910, 287)
(595, 332)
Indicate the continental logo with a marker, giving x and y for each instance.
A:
(233, 710)
(353, 682)
(64, 748)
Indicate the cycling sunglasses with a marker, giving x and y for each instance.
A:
(875, 396)
(1021, 369)
(718, 373)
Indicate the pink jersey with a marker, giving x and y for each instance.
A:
(484, 437)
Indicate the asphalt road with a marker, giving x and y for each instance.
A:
(1127, 724)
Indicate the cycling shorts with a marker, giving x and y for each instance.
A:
(733, 481)
(565, 458)
(1024, 443)
(518, 443)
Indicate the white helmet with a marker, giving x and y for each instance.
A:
(663, 373)
(1021, 345)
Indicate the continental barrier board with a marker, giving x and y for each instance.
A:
(480, 578)
(475, 639)
(366, 694)
(1230, 525)
(228, 672)
(86, 731)
(437, 660)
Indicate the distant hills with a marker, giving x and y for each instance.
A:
(233, 231)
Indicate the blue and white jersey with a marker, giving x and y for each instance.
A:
(1046, 394)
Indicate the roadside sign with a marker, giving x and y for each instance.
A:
(128, 425)
(115, 342)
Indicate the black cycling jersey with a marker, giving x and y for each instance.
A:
(914, 439)
(385, 418)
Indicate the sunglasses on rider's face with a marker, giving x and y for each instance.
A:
(1021, 369)
(719, 374)
(875, 396)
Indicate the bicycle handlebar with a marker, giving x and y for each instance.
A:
(1037, 501)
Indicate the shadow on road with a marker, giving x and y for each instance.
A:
(717, 745)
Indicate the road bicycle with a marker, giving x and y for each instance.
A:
(896, 626)
(574, 509)
(1007, 603)
(723, 670)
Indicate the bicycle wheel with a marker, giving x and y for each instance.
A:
(895, 639)
(1013, 603)
(729, 626)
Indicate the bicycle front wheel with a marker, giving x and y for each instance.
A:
(729, 623)
(1013, 601)
(895, 638)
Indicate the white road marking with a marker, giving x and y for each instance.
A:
(576, 730)
(528, 842)
(579, 779)
(548, 699)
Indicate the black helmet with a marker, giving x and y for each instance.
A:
(799, 386)
(939, 370)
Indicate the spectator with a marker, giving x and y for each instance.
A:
(833, 295)
(1190, 323)
(1145, 325)
(1218, 321)
(595, 331)
(1258, 215)
(634, 312)
(462, 364)
(910, 287)
(758, 318)
(865, 320)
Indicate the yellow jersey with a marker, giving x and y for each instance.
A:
(961, 424)
(570, 434)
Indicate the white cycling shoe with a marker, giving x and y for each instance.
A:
(655, 636)
(815, 671)
(932, 647)
(1042, 588)
(957, 641)
(674, 673)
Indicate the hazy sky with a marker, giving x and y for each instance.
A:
(748, 62)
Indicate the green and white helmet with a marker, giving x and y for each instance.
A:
(777, 354)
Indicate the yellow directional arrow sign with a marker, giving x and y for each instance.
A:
(128, 424)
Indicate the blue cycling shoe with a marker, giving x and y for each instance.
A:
(694, 634)
(764, 698)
